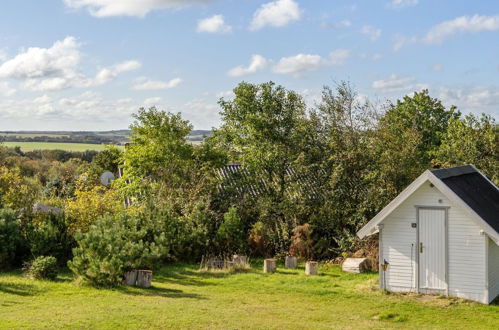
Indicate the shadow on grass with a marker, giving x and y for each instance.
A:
(19, 289)
(159, 292)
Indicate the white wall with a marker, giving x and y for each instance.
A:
(493, 270)
(466, 247)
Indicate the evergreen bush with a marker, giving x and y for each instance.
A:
(116, 244)
(42, 268)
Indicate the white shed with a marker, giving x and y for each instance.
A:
(441, 235)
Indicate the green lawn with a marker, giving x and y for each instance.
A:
(30, 146)
(183, 297)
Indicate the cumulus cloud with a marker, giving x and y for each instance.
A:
(257, 63)
(58, 67)
(37, 62)
(214, 24)
(144, 84)
(277, 14)
(299, 64)
(372, 32)
(397, 84)
(106, 75)
(402, 3)
(138, 8)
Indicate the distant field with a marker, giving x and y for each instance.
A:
(30, 146)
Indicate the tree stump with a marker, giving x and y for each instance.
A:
(290, 262)
(144, 278)
(311, 267)
(269, 266)
(239, 260)
(130, 277)
(356, 265)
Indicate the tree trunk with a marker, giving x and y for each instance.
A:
(144, 278)
(311, 268)
(130, 277)
(239, 260)
(269, 266)
(290, 262)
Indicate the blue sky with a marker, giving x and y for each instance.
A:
(89, 64)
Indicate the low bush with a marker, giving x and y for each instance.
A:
(42, 268)
(114, 245)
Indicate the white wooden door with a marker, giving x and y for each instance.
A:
(431, 248)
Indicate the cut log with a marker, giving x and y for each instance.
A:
(290, 262)
(311, 267)
(144, 278)
(130, 277)
(269, 266)
(239, 260)
(356, 265)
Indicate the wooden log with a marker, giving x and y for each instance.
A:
(269, 266)
(356, 265)
(130, 277)
(311, 267)
(290, 262)
(144, 278)
(240, 260)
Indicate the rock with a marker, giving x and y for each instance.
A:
(269, 266)
(290, 262)
(311, 267)
(356, 265)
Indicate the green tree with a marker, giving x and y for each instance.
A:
(471, 140)
(263, 127)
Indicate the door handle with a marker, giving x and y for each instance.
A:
(420, 247)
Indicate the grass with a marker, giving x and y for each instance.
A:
(183, 297)
(30, 146)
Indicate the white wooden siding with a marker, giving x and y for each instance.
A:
(466, 258)
(493, 270)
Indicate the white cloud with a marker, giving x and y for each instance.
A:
(37, 62)
(372, 32)
(438, 33)
(6, 89)
(471, 98)
(397, 84)
(402, 3)
(339, 56)
(139, 8)
(58, 67)
(144, 84)
(257, 63)
(225, 94)
(475, 23)
(214, 24)
(108, 74)
(299, 64)
(277, 13)
(153, 101)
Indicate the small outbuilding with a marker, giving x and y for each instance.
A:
(441, 236)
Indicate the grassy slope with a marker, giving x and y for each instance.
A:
(30, 146)
(182, 297)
